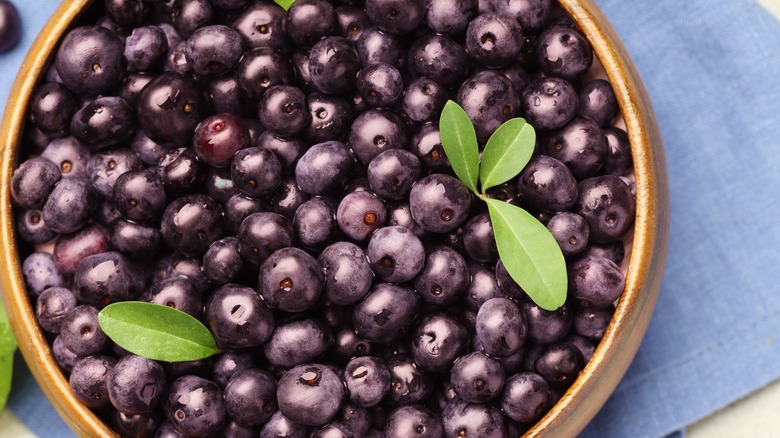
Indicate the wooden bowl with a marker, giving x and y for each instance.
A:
(612, 357)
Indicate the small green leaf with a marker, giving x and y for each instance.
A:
(459, 141)
(507, 152)
(7, 351)
(157, 332)
(285, 4)
(530, 254)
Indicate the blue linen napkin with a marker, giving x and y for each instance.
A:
(711, 69)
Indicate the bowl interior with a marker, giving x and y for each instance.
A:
(615, 351)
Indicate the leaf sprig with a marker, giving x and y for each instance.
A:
(7, 351)
(285, 4)
(530, 253)
(157, 332)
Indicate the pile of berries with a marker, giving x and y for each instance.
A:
(280, 176)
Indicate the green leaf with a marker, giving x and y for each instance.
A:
(507, 152)
(285, 4)
(157, 332)
(7, 351)
(530, 254)
(459, 141)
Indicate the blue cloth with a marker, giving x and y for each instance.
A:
(711, 69)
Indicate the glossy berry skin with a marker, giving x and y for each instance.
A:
(410, 383)
(560, 364)
(218, 138)
(69, 155)
(283, 110)
(51, 108)
(596, 281)
(51, 307)
(443, 278)
(493, 39)
(297, 342)
(315, 223)
(256, 172)
(591, 322)
(260, 69)
(261, 234)
(545, 326)
(65, 358)
(392, 173)
(10, 26)
(40, 273)
(483, 286)
(563, 51)
(347, 345)
(398, 213)
(360, 213)
(333, 65)
(437, 341)
(33, 181)
(618, 160)
(348, 276)
(139, 195)
(69, 206)
(287, 149)
(307, 21)
(460, 418)
(549, 102)
(90, 60)
(310, 394)
(250, 397)
(608, 207)
(489, 100)
(222, 262)
(88, 381)
(367, 380)
(260, 25)
(71, 249)
(395, 254)
(228, 364)
(290, 280)
(477, 378)
(330, 118)
(501, 327)
(136, 385)
(375, 131)
(614, 251)
(178, 293)
(423, 100)
(107, 277)
(526, 397)
(170, 107)
(104, 122)
(214, 50)
(439, 203)
(386, 312)
(380, 85)
(579, 144)
(237, 208)
(352, 21)
(150, 152)
(238, 317)
(426, 144)
(570, 231)
(449, 17)
(325, 168)
(106, 166)
(133, 425)
(398, 17)
(280, 426)
(413, 421)
(81, 333)
(195, 406)
(181, 172)
(145, 48)
(334, 429)
(189, 15)
(547, 185)
(191, 223)
(597, 100)
(375, 46)
(479, 239)
(439, 58)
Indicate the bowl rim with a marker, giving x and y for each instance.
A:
(577, 406)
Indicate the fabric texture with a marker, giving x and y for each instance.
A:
(711, 69)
